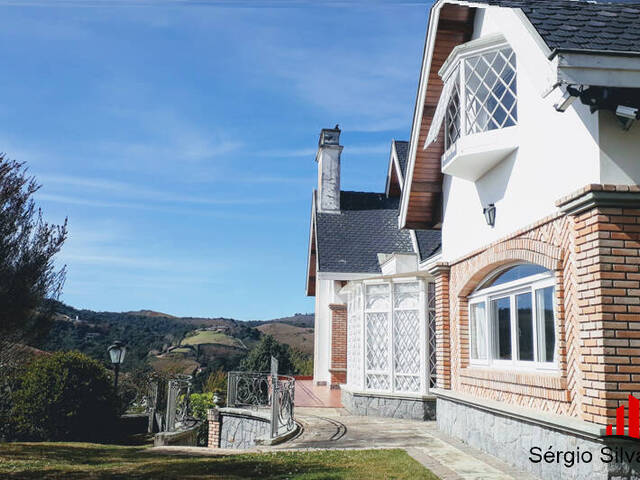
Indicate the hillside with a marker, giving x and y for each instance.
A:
(169, 343)
(304, 320)
(296, 337)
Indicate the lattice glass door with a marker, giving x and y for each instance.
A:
(377, 321)
(406, 337)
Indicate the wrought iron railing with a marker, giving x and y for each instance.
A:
(264, 391)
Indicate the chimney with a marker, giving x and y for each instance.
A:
(328, 158)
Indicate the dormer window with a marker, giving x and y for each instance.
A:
(478, 103)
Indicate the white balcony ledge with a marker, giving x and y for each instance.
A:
(471, 156)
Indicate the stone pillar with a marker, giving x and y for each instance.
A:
(215, 420)
(607, 232)
(440, 272)
(338, 368)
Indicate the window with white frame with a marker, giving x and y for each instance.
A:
(512, 319)
(391, 344)
(479, 93)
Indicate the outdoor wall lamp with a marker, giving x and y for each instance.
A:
(117, 352)
(490, 214)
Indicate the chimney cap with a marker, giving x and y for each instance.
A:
(330, 136)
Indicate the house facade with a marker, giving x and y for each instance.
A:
(525, 154)
(375, 311)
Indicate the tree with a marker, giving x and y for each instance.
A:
(65, 396)
(259, 359)
(28, 245)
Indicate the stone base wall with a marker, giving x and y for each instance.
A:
(389, 406)
(511, 440)
(183, 438)
(242, 431)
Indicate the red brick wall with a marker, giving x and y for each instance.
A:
(338, 368)
(594, 251)
(608, 246)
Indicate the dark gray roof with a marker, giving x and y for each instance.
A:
(582, 25)
(429, 242)
(349, 241)
(367, 224)
(402, 149)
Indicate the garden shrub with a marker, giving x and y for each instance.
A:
(65, 396)
(10, 377)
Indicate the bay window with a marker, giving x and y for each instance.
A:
(391, 336)
(477, 106)
(512, 321)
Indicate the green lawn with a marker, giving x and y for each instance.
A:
(209, 336)
(73, 461)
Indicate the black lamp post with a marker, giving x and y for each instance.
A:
(117, 352)
(490, 214)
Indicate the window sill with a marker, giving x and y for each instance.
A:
(471, 156)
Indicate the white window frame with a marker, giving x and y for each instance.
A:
(456, 66)
(510, 290)
(423, 370)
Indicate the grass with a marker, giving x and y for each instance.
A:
(208, 336)
(74, 461)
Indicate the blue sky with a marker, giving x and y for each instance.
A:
(179, 139)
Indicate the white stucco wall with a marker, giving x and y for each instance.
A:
(325, 295)
(557, 154)
(619, 151)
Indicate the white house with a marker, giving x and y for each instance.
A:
(525, 155)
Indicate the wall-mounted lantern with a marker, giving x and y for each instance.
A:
(490, 214)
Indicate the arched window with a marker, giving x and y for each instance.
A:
(512, 320)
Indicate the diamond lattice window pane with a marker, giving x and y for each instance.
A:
(377, 297)
(407, 383)
(406, 342)
(377, 381)
(452, 116)
(406, 295)
(431, 334)
(490, 91)
(377, 341)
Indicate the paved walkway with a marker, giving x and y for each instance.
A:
(335, 428)
(309, 395)
(449, 459)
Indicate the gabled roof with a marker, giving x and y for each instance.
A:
(349, 241)
(402, 150)
(429, 242)
(581, 25)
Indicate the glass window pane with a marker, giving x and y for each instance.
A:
(478, 332)
(546, 324)
(525, 327)
(517, 272)
(501, 310)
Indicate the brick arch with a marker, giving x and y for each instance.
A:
(511, 252)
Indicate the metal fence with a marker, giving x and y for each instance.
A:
(264, 391)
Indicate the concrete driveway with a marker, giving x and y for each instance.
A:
(335, 428)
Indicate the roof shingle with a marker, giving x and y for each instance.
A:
(582, 25)
(349, 241)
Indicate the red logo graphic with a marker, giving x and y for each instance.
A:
(634, 419)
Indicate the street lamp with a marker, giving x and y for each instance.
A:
(117, 352)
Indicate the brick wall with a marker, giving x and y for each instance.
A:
(608, 264)
(592, 245)
(338, 368)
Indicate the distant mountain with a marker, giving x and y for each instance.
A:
(304, 320)
(168, 342)
(300, 338)
(149, 313)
